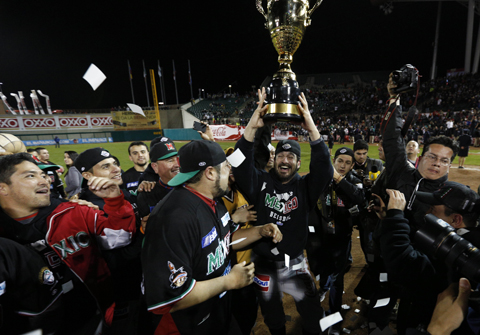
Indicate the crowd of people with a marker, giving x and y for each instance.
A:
(194, 241)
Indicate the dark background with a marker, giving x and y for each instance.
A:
(48, 45)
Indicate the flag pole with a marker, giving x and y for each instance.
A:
(190, 81)
(163, 88)
(160, 79)
(130, 76)
(145, 79)
(175, 80)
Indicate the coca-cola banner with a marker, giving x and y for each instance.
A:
(225, 132)
(278, 135)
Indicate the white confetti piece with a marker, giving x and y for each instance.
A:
(287, 260)
(274, 251)
(345, 306)
(238, 241)
(136, 109)
(236, 158)
(359, 298)
(330, 320)
(357, 311)
(382, 302)
(299, 266)
(94, 76)
(383, 277)
(270, 147)
(311, 229)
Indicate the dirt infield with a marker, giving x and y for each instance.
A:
(353, 321)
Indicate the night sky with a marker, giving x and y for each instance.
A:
(48, 45)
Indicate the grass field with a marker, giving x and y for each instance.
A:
(120, 151)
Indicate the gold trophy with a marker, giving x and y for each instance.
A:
(286, 22)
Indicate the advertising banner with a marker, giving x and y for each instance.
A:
(133, 121)
(36, 143)
(225, 132)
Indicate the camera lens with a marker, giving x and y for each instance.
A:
(438, 239)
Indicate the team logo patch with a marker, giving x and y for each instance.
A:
(169, 146)
(263, 282)
(279, 223)
(209, 238)
(202, 164)
(46, 276)
(132, 184)
(286, 146)
(3, 286)
(164, 139)
(177, 277)
(105, 153)
(342, 151)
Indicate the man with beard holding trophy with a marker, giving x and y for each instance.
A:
(283, 197)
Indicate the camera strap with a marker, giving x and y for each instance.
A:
(410, 116)
(388, 116)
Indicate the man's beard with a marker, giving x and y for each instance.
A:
(286, 178)
(218, 192)
(143, 164)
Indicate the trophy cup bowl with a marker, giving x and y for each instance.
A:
(286, 22)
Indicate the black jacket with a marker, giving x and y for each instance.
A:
(401, 175)
(287, 205)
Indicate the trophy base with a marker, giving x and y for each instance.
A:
(282, 100)
(282, 113)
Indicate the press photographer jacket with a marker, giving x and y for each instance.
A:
(421, 278)
(401, 175)
(287, 205)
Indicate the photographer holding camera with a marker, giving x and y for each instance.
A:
(423, 277)
(437, 155)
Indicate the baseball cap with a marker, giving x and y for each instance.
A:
(458, 197)
(163, 149)
(196, 156)
(158, 139)
(90, 157)
(288, 145)
(47, 167)
(344, 151)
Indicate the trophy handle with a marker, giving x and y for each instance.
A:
(260, 8)
(310, 12)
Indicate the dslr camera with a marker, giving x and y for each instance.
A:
(438, 239)
(406, 78)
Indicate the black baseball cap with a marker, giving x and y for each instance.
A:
(163, 149)
(344, 151)
(195, 157)
(157, 140)
(456, 196)
(288, 145)
(90, 157)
